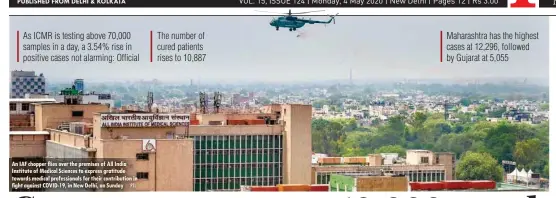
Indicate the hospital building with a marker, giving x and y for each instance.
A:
(173, 151)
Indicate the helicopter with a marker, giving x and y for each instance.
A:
(293, 22)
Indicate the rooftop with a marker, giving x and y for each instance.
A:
(419, 150)
(29, 133)
(31, 100)
(139, 112)
(62, 103)
(447, 153)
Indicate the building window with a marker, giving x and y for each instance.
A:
(142, 156)
(170, 135)
(25, 107)
(437, 159)
(215, 122)
(142, 175)
(12, 107)
(77, 113)
(424, 160)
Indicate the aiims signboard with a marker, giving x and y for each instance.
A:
(144, 120)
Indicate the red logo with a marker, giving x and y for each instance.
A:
(522, 4)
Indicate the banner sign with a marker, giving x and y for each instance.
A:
(144, 120)
(508, 162)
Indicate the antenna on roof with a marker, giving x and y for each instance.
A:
(217, 101)
(203, 102)
(150, 101)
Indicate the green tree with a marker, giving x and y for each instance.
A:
(479, 166)
(418, 119)
(432, 129)
(456, 143)
(396, 123)
(356, 144)
(544, 107)
(545, 171)
(481, 108)
(336, 99)
(527, 152)
(500, 140)
(541, 132)
(438, 127)
(392, 149)
(465, 102)
(319, 103)
(483, 127)
(478, 147)
(497, 113)
(348, 124)
(525, 132)
(435, 116)
(326, 136)
(464, 117)
(329, 136)
(392, 133)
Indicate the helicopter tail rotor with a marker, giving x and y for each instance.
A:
(333, 17)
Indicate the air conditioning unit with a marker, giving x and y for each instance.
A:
(77, 127)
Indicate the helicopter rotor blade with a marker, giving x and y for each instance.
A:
(308, 12)
(270, 12)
